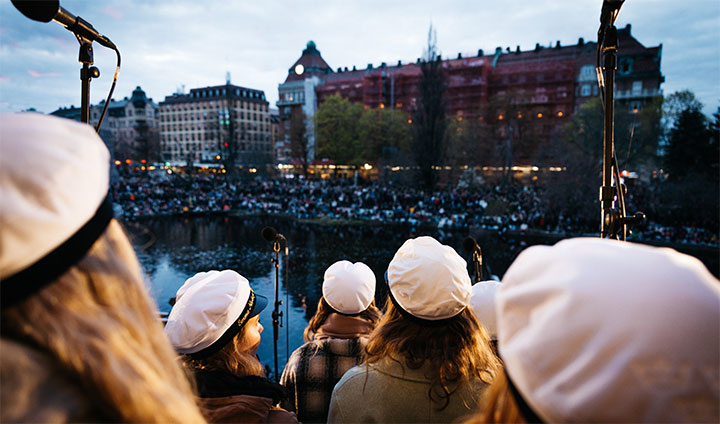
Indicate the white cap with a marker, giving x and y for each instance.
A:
(348, 287)
(597, 330)
(211, 306)
(429, 280)
(54, 175)
(482, 302)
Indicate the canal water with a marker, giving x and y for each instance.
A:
(172, 249)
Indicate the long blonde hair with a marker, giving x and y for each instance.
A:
(498, 405)
(98, 323)
(371, 314)
(457, 352)
(233, 357)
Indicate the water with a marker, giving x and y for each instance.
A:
(172, 249)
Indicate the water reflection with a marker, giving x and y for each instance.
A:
(172, 249)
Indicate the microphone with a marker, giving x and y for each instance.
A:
(271, 234)
(470, 245)
(46, 11)
(609, 9)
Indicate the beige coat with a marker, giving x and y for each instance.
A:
(389, 393)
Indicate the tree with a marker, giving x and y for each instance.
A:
(299, 150)
(429, 116)
(517, 130)
(147, 142)
(385, 134)
(338, 136)
(690, 148)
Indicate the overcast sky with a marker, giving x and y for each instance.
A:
(193, 43)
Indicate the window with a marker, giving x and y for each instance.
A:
(637, 87)
(585, 90)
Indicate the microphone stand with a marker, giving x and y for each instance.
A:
(87, 73)
(276, 314)
(613, 220)
(477, 260)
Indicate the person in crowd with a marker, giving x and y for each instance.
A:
(597, 330)
(482, 302)
(335, 338)
(80, 339)
(428, 359)
(215, 324)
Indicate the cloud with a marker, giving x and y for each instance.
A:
(113, 13)
(35, 74)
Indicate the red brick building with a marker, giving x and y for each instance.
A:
(543, 86)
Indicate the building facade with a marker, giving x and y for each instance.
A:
(535, 91)
(226, 124)
(297, 94)
(130, 127)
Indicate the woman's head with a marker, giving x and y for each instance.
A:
(100, 325)
(427, 322)
(632, 328)
(215, 322)
(71, 284)
(348, 289)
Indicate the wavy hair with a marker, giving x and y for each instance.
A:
(498, 405)
(233, 357)
(97, 322)
(371, 314)
(455, 353)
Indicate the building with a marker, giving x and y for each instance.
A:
(225, 124)
(130, 127)
(298, 94)
(537, 89)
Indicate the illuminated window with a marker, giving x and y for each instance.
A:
(539, 115)
(560, 114)
(500, 117)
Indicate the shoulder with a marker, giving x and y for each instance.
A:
(353, 376)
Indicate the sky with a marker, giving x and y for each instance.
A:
(170, 44)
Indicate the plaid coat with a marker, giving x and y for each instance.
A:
(312, 372)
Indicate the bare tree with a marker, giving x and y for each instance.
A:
(299, 150)
(429, 115)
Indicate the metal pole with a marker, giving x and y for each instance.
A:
(276, 313)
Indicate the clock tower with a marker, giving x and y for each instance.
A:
(297, 94)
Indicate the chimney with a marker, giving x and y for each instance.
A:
(537, 47)
(557, 44)
(481, 53)
(581, 41)
(459, 55)
(399, 63)
(369, 67)
(517, 49)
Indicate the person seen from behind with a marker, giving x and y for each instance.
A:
(335, 338)
(80, 338)
(598, 330)
(428, 359)
(215, 325)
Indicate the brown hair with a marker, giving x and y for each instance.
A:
(371, 314)
(97, 322)
(498, 405)
(233, 357)
(456, 352)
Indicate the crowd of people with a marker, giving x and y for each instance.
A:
(142, 194)
(563, 337)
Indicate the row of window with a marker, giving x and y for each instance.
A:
(215, 92)
(211, 136)
(184, 107)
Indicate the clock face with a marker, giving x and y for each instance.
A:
(299, 69)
